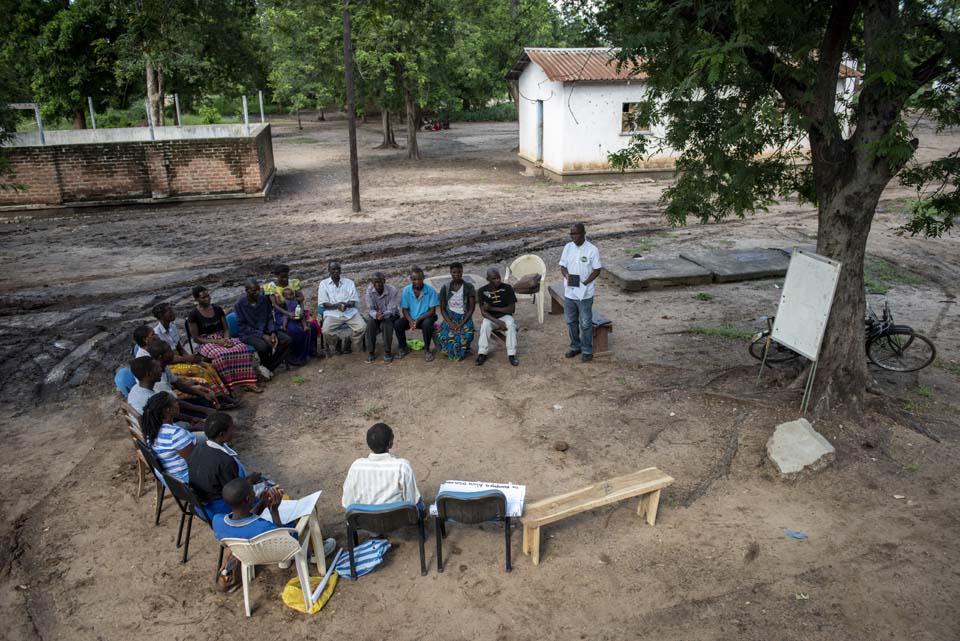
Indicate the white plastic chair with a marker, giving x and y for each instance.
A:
(524, 266)
(278, 546)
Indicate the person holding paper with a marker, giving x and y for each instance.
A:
(381, 477)
(580, 266)
(213, 465)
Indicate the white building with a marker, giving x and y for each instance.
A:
(573, 104)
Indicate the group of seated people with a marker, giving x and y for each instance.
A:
(444, 318)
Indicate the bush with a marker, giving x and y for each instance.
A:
(129, 117)
(500, 112)
(209, 114)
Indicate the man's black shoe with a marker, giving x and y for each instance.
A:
(571, 353)
(348, 346)
(514, 361)
(481, 359)
(586, 358)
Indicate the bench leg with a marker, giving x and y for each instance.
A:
(600, 334)
(556, 307)
(535, 545)
(526, 540)
(648, 506)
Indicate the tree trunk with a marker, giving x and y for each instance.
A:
(161, 98)
(79, 119)
(321, 117)
(413, 123)
(299, 123)
(153, 94)
(389, 140)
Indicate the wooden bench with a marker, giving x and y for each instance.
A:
(645, 484)
(602, 326)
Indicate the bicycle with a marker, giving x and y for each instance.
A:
(893, 347)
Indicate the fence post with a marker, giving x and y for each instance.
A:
(93, 116)
(246, 116)
(36, 112)
(146, 102)
(176, 103)
(260, 93)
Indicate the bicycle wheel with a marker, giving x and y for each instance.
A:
(776, 353)
(901, 350)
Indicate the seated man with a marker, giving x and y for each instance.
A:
(244, 522)
(148, 373)
(382, 312)
(497, 304)
(256, 326)
(337, 298)
(381, 477)
(213, 466)
(418, 306)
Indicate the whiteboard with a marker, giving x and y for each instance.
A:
(805, 302)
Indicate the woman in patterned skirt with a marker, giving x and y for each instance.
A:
(232, 359)
(458, 298)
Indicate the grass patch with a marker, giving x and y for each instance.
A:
(723, 331)
(911, 467)
(705, 297)
(643, 246)
(373, 411)
(766, 284)
(575, 186)
(880, 275)
(621, 380)
(951, 367)
(299, 380)
(923, 390)
(302, 140)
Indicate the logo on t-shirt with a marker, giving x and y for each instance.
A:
(584, 259)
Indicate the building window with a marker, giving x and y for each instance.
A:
(628, 122)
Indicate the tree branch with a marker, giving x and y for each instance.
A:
(835, 37)
(928, 69)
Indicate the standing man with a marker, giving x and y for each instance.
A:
(338, 299)
(256, 327)
(497, 304)
(382, 313)
(580, 266)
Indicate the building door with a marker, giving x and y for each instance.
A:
(539, 131)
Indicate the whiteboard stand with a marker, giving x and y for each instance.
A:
(804, 310)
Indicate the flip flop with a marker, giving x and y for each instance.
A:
(430, 357)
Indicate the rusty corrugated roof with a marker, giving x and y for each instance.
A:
(567, 65)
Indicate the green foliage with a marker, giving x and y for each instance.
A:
(705, 297)
(499, 112)
(938, 200)
(880, 275)
(209, 114)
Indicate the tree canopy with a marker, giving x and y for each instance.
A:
(748, 92)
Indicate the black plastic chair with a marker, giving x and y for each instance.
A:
(383, 518)
(186, 332)
(190, 506)
(157, 469)
(470, 508)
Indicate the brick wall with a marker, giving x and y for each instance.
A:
(56, 175)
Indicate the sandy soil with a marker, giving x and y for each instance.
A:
(81, 558)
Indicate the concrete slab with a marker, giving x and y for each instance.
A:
(741, 264)
(656, 273)
(809, 248)
(795, 446)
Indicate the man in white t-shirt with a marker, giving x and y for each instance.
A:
(580, 266)
(337, 298)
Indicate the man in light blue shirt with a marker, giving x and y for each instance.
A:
(418, 310)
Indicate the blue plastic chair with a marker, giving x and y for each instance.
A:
(383, 518)
(124, 380)
(233, 324)
(470, 508)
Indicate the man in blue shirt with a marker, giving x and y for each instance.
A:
(418, 309)
(256, 327)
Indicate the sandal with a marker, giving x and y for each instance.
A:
(256, 389)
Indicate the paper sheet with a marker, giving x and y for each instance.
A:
(291, 510)
(514, 493)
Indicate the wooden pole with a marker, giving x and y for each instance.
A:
(351, 108)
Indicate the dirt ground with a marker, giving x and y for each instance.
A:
(81, 558)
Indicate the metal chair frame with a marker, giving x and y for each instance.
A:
(384, 518)
(471, 508)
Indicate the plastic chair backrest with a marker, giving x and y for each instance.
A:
(124, 380)
(185, 494)
(233, 324)
(133, 421)
(275, 546)
(382, 518)
(525, 265)
(471, 507)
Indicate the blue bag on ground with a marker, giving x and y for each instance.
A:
(368, 555)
